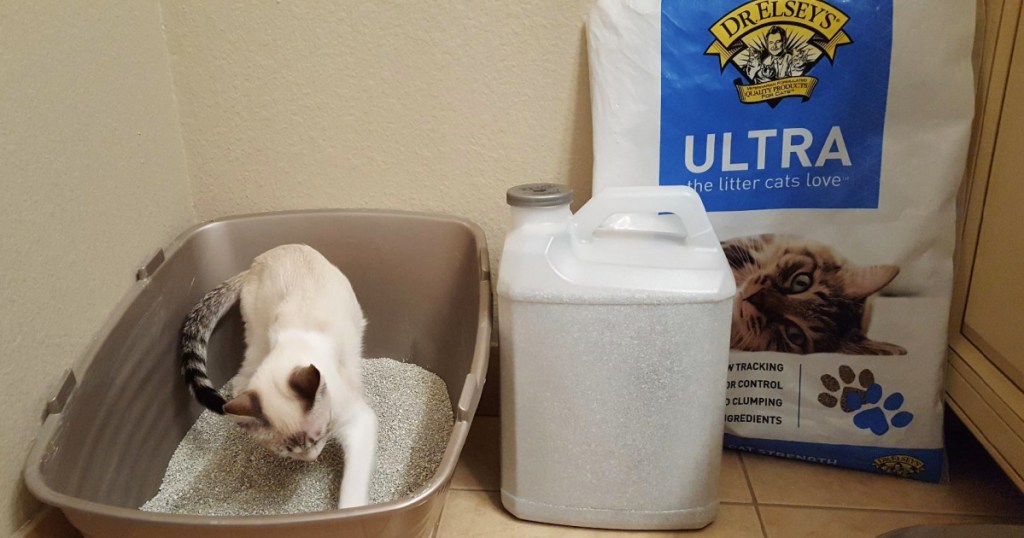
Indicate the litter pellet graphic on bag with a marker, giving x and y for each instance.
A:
(826, 139)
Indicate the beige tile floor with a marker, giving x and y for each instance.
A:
(761, 497)
(767, 497)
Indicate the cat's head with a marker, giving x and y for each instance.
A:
(289, 415)
(797, 296)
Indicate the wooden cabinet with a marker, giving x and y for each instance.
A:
(985, 379)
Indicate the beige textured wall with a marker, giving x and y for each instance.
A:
(93, 178)
(436, 106)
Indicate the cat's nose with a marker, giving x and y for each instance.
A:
(757, 298)
(766, 302)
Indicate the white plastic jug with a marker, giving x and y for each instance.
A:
(614, 327)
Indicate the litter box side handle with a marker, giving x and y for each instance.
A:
(679, 200)
(40, 451)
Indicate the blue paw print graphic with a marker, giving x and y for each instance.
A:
(874, 418)
(862, 398)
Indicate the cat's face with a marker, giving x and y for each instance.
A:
(795, 296)
(291, 421)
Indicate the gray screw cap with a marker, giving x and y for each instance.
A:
(539, 195)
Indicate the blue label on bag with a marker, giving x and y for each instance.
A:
(917, 463)
(773, 104)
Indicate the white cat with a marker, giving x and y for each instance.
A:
(301, 381)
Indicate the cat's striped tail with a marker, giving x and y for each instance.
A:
(195, 335)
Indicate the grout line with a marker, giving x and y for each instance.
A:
(477, 489)
(894, 511)
(753, 496)
(746, 476)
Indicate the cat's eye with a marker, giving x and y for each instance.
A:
(795, 335)
(801, 283)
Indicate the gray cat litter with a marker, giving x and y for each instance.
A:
(218, 470)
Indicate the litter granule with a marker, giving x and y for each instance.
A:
(218, 470)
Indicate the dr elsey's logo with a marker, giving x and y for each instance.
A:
(774, 44)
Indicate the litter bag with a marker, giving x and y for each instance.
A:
(827, 138)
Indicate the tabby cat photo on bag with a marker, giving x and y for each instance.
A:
(800, 296)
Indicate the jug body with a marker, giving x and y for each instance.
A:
(614, 354)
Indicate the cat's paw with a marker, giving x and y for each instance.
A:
(877, 420)
(845, 393)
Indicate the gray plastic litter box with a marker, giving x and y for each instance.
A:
(423, 282)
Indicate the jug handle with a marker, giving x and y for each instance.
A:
(680, 200)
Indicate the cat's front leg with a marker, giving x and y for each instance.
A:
(358, 438)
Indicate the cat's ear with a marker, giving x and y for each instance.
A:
(305, 382)
(859, 282)
(871, 347)
(246, 404)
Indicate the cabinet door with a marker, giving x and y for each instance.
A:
(986, 363)
(994, 319)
